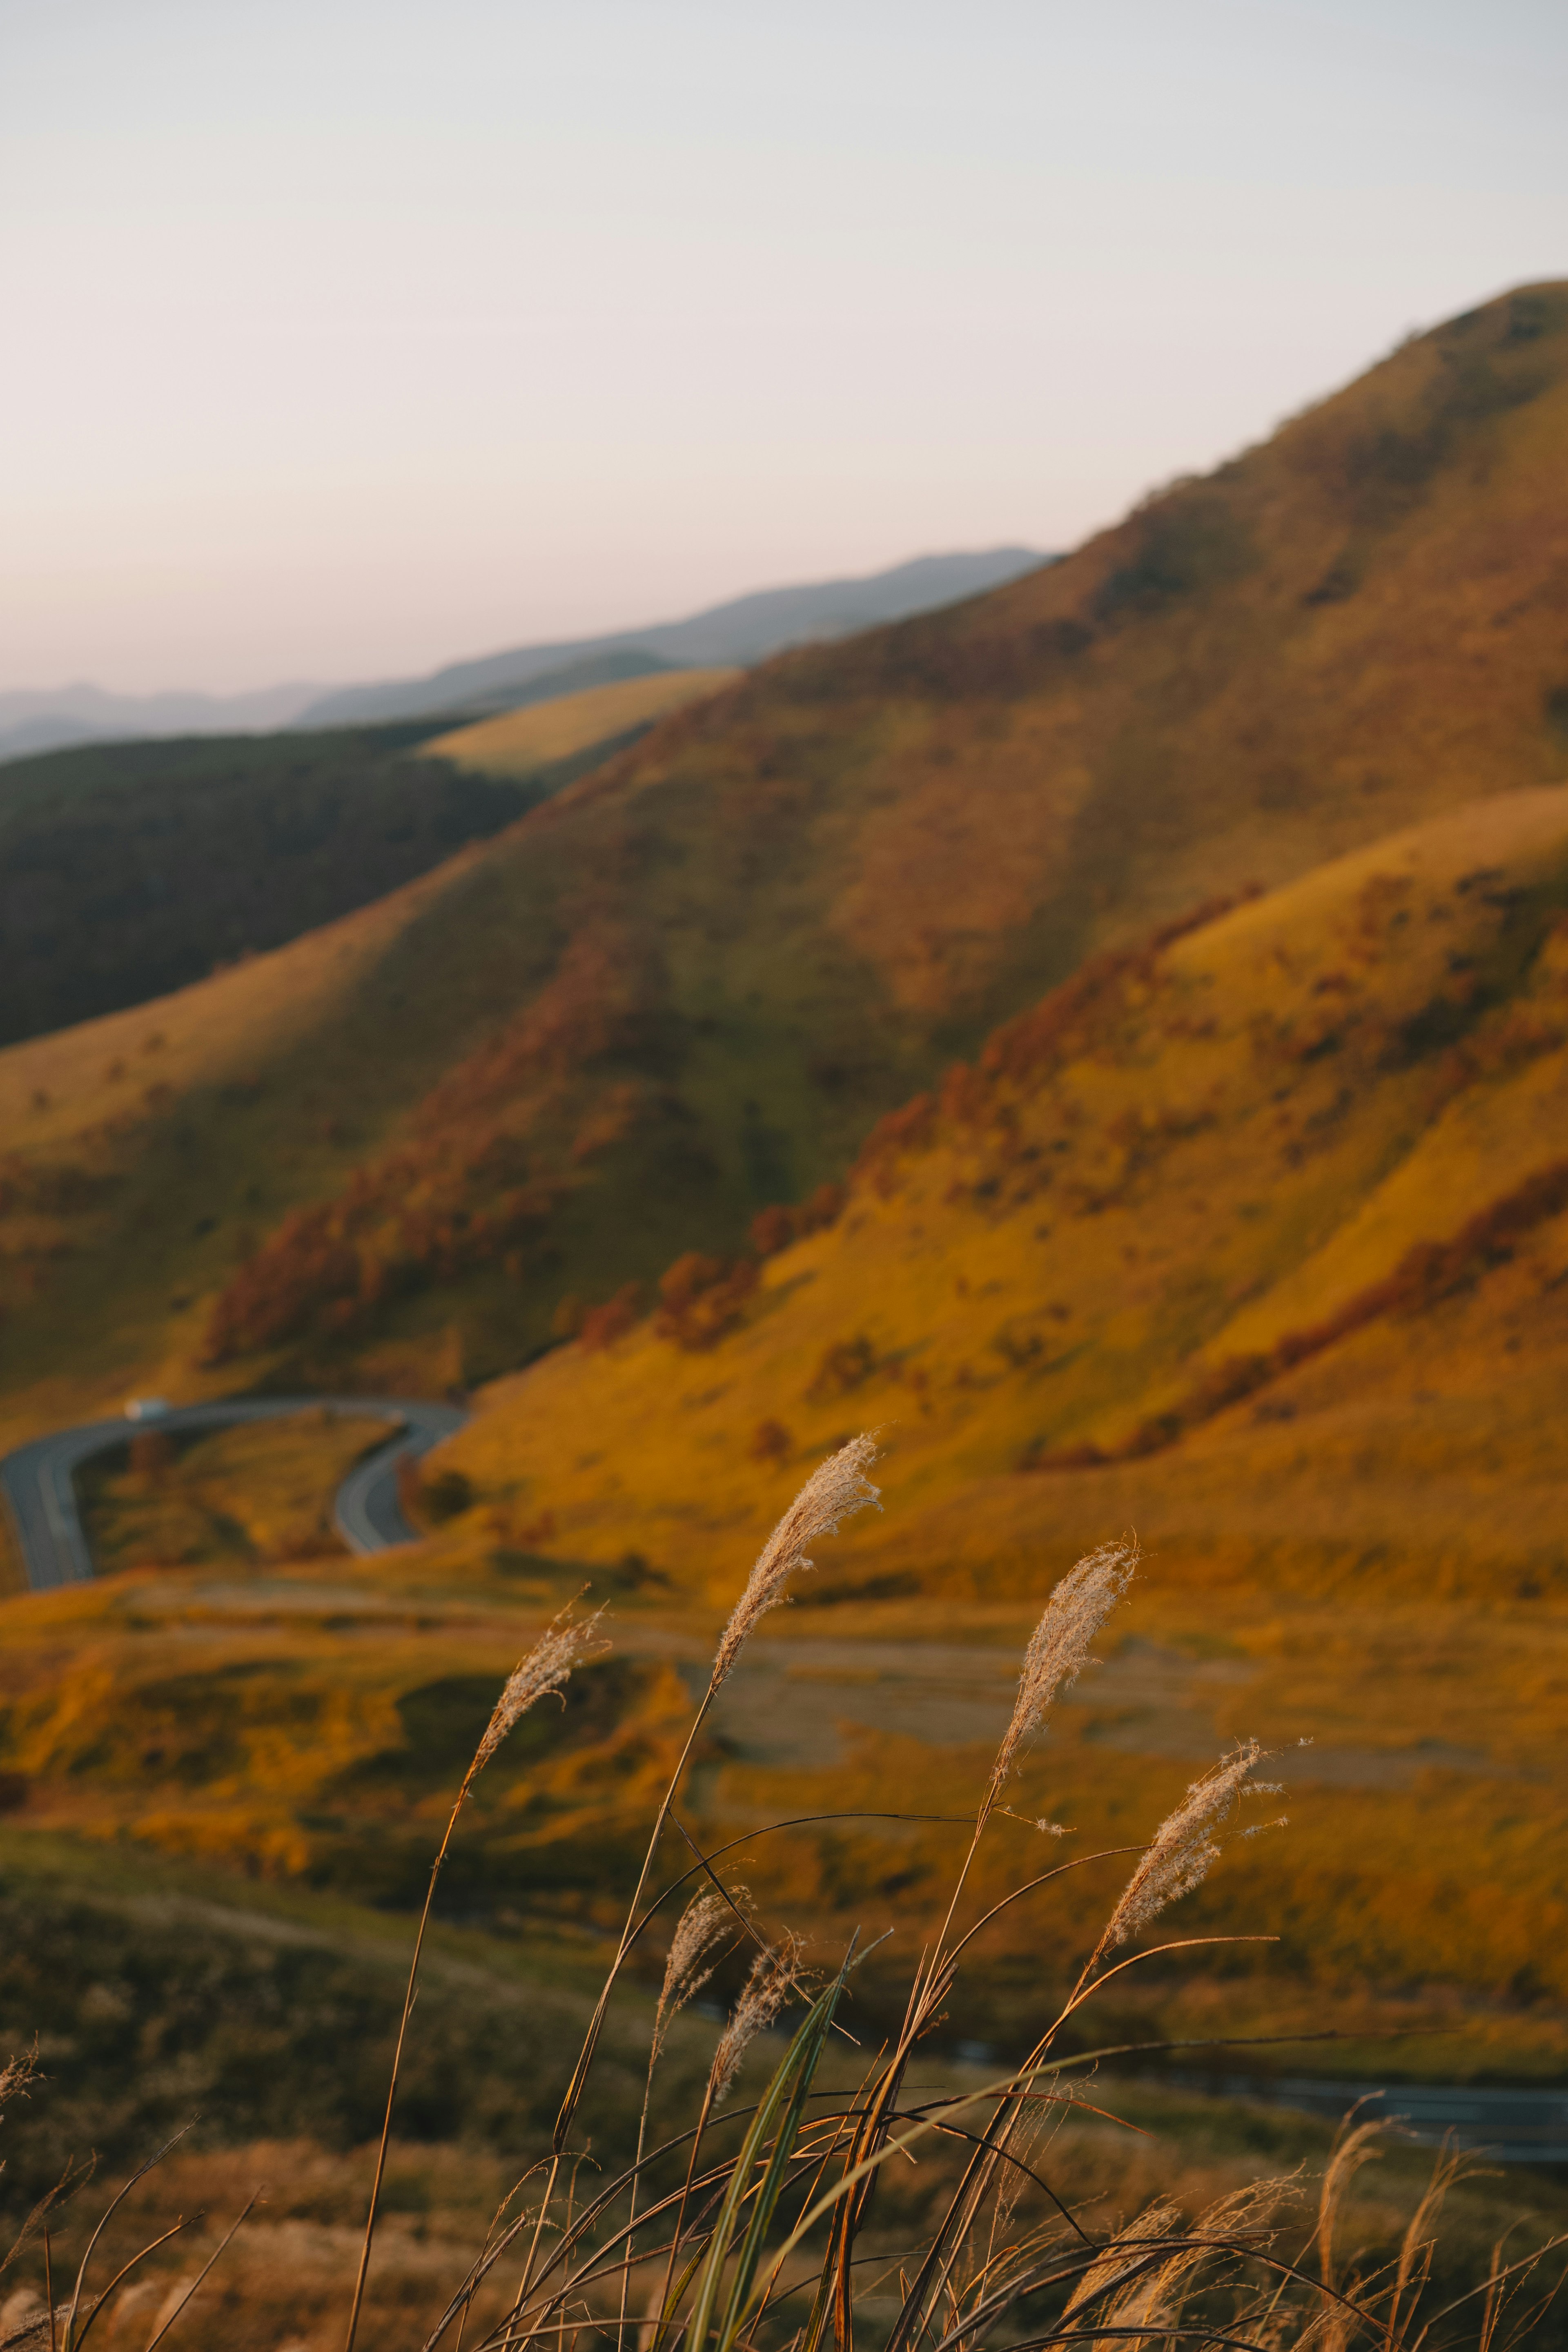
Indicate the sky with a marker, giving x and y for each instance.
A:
(347, 337)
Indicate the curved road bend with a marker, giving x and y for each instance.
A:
(36, 1481)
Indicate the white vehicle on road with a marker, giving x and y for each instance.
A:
(146, 1408)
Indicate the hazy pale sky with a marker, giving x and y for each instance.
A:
(348, 336)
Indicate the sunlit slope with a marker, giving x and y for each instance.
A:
(685, 986)
(522, 744)
(146, 1153)
(1258, 1237)
(781, 913)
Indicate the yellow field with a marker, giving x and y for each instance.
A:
(521, 742)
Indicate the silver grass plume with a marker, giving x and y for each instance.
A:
(1154, 2296)
(775, 1972)
(1058, 1646)
(566, 1641)
(833, 1493)
(702, 1926)
(1184, 1847)
(1125, 2251)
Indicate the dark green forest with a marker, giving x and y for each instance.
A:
(127, 869)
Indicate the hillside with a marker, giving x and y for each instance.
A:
(131, 868)
(543, 741)
(1254, 1239)
(685, 987)
(1304, 1159)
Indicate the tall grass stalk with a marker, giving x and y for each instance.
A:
(543, 1673)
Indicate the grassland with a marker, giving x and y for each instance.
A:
(260, 1492)
(544, 739)
(272, 2010)
(681, 989)
(1255, 1241)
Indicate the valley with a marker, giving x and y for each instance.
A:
(1109, 1039)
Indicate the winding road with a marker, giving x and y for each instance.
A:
(36, 1480)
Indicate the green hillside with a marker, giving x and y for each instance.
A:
(685, 987)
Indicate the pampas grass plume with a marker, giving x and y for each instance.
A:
(564, 1643)
(1184, 1847)
(776, 1973)
(1058, 1646)
(702, 1926)
(833, 1493)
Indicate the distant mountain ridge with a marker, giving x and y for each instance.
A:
(743, 630)
(46, 719)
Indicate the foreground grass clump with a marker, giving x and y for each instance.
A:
(775, 2222)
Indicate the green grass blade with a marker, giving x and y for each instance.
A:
(806, 2052)
(778, 2117)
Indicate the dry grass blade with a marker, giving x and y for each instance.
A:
(833, 1494)
(1356, 2146)
(1418, 2245)
(214, 2258)
(1126, 2252)
(836, 1489)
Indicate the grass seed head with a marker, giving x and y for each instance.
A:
(564, 1643)
(1184, 1847)
(1058, 1646)
(702, 1928)
(776, 1973)
(830, 1496)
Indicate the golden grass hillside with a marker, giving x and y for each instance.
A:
(682, 989)
(1261, 1161)
(521, 743)
(1256, 1240)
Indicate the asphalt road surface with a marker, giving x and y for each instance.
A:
(36, 1481)
(1511, 2126)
